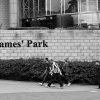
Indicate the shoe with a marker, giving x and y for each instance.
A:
(61, 87)
(69, 84)
(98, 88)
(52, 85)
(64, 84)
(41, 84)
(47, 85)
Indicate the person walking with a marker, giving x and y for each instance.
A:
(46, 73)
(66, 73)
(98, 73)
(55, 74)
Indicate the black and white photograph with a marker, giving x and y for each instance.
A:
(49, 49)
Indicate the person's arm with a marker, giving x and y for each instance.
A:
(59, 71)
(57, 66)
(51, 69)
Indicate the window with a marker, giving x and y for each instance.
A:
(72, 6)
(53, 7)
(99, 5)
(41, 7)
(92, 5)
(62, 6)
(88, 5)
(32, 8)
(83, 5)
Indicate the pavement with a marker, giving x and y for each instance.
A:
(19, 90)
(7, 86)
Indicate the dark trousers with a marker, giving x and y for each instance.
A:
(99, 85)
(55, 77)
(45, 77)
(98, 77)
(64, 78)
(69, 77)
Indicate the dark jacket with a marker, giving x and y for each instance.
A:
(66, 68)
(98, 73)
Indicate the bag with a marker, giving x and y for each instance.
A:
(55, 68)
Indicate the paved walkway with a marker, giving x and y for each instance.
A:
(32, 87)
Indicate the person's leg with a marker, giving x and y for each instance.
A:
(58, 76)
(51, 80)
(70, 79)
(98, 78)
(98, 84)
(44, 78)
(64, 78)
(69, 83)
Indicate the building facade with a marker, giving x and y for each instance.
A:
(83, 11)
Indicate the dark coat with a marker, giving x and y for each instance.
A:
(98, 73)
(66, 69)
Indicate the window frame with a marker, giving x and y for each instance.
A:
(87, 7)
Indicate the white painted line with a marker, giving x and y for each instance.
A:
(94, 91)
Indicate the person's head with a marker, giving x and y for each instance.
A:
(46, 59)
(97, 63)
(51, 60)
(66, 60)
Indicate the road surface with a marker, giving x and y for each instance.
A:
(16, 90)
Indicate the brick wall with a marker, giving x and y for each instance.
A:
(4, 13)
(74, 44)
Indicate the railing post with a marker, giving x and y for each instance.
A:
(46, 8)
